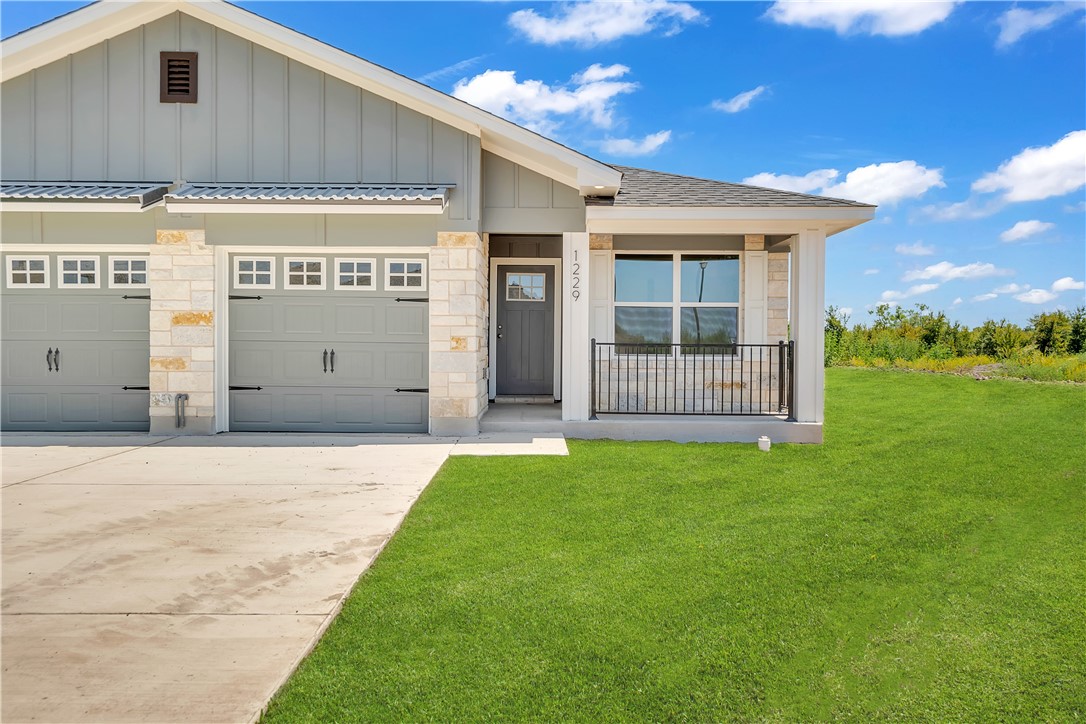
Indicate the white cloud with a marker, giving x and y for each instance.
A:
(1026, 229)
(846, 311)
(883, 183)
(589, 94)
(956, 302)
(917, 249)
(800, 184)
(1010, 289)
(873, 17)
(869, 272)
(887, 183)
(632, 147)
(1035, 296)
(1018, 22)
(893, 295)
(984, 297)
(740, 102)
(969, 209)
(598, 21)
(1040, 172)
(1067, 284)
(945, 271)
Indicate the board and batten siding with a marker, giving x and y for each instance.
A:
(260, 117)
(517, 200)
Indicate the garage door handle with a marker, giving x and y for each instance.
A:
(56, 360)
(326, 361)
(49, 359)
(333, 361)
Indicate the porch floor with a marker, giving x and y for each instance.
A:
(677, 428)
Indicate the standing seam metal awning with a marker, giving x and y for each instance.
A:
(302, 198)
(134, 195)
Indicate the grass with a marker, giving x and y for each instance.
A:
(925, 563)
(1026, 365)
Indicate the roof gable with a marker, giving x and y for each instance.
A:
(95, 23)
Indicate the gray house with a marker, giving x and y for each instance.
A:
(212, 223)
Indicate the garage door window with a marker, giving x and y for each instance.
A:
(254, 272)
(78, 271)
(405, 273)
(28, 271)
(304, 273)
(127, 272)
(356, 274)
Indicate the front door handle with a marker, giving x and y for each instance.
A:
(333, 361)
(49, 359)
(56, 359)
(326, 361)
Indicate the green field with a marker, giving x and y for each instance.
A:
(925, 563)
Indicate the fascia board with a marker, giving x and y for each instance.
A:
(177, 207)
(721, 220)
(82, 207)
(732, 213)
(71, 33)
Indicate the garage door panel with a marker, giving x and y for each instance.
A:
(24, 363)
(251, 320)
(74, 409)
(406, 367)
(25, 318)
(404, 320)
(342, 409)
(25, 407)
(80, 317)
(354, 318)
(304, 320)
(114, 363)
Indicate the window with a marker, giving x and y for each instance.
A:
(177, 77)
(356, 274)
(303, 273)
(525, 287)
(405, 274)
(254, 272)
(128, 272)
(28, 271)
(78, 271)
(677, 298)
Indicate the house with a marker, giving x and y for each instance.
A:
(211, 222)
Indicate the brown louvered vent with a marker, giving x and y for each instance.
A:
(178, 78)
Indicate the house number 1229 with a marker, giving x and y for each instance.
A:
(575, 278)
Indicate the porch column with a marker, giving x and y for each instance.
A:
(755, 279)
(458, 318)
(576, 333)
(808, 321)
(182, 354)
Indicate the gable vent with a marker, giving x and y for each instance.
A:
(177, 83)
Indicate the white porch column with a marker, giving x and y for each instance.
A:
(576, 332)
(808, 321)
(755, 288)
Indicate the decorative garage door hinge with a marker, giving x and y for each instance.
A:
(134, 387)
(237, 387)
(136, 296)
(242, 296)
(412, 389)
(424, 300)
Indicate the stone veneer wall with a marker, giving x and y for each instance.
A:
(777, 306)
(182, 281)
(459, 306)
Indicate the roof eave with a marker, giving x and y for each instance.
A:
(724, 219)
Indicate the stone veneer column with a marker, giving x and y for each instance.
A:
(778, 297)
(458, 326)
(182, 280)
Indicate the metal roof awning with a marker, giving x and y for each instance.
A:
(210, 198)
(80, 195)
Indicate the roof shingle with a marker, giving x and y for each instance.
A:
(642, 187)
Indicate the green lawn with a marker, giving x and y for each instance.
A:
(925, 563)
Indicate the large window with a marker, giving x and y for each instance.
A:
(677, 298)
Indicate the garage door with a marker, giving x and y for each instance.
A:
(328, 343)
(75, 343)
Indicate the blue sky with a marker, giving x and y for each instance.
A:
(964, 121)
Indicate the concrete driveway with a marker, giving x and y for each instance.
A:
(182, 579)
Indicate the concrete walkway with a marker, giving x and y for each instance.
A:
(183, 579)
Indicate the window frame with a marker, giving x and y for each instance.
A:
(9, 275)
(130, 284)
(355, 288)
(542, 287)
(303, 286)
(237, 271)
(388, 274)
(61, 284)
(676, 304)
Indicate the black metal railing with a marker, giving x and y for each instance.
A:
(692, 379)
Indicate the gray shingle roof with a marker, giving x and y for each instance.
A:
(408, 194)
(641, 187)
(143, 193)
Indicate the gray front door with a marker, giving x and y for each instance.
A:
(322, 359)
(525, 332)
(74, 358)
